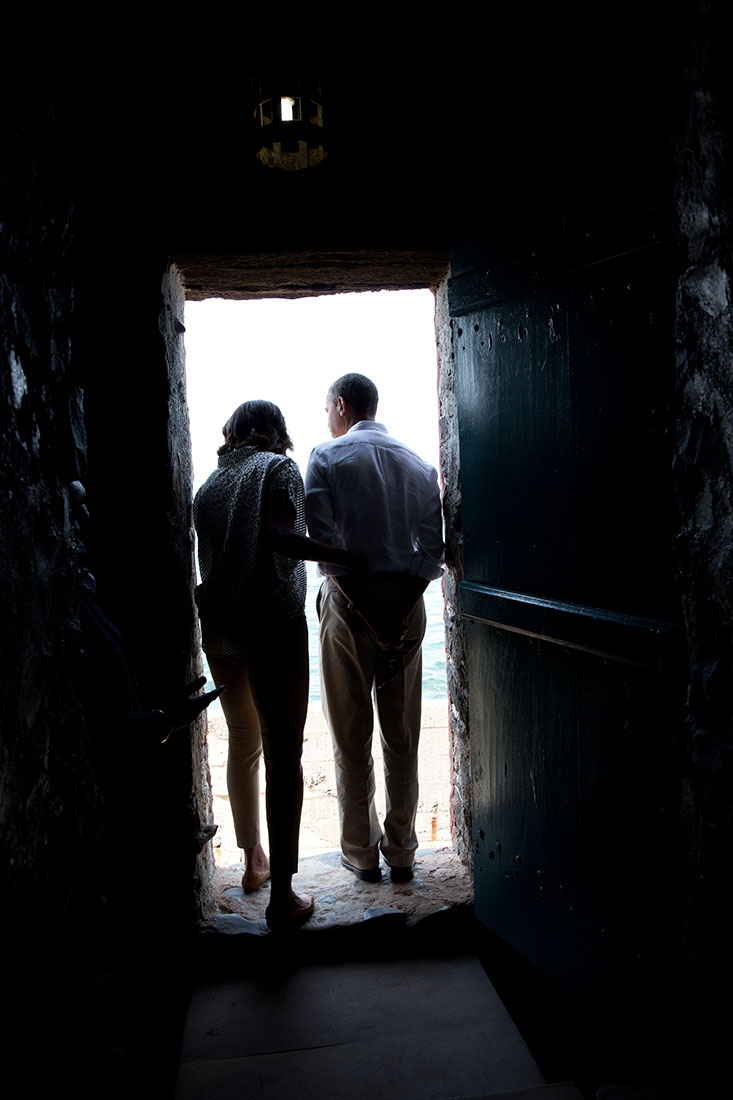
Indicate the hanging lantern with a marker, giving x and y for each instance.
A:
(289, 120)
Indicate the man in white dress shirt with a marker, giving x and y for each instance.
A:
(369, 493)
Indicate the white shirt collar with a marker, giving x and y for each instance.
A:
(367, 425)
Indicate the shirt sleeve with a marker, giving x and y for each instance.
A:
(428, 562)
(319, 509)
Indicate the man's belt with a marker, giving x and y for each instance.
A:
(384, 601)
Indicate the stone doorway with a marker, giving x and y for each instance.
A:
(442, 878)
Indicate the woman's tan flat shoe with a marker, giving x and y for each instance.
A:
(252, 880)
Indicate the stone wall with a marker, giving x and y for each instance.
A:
(139, 482)
(704, 486)
(181, 545)
(50, 831)
(100, 824)
(457, 674)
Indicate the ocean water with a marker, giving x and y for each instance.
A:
(433, 651)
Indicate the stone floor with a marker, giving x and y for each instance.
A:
(440, 877)
(398, 1028)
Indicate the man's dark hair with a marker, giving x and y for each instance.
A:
(358, 391)
(257, 424)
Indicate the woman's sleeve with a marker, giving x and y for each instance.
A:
(286, 477)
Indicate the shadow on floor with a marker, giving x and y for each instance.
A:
(384, 1008)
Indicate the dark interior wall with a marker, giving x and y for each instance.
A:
(129, 344)
(703, 465)
(121, 158)
(49, 810)
(101, 824)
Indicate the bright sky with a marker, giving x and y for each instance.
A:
(290, 352)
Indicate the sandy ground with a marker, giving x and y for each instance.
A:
(440, 878)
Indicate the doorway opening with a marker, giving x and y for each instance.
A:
(289, 352)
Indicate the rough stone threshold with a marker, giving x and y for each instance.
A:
(440, 882)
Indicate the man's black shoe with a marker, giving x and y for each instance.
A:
(401, 874)
(372, 874)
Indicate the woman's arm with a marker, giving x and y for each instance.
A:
(279, 521)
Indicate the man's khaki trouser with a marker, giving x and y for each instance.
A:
(353, 668)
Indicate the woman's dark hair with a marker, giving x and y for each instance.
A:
(257, 424)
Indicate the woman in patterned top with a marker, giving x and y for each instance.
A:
(250, 522)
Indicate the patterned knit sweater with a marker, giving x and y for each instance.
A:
(245, 587)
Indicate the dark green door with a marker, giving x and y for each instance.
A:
(564, 376)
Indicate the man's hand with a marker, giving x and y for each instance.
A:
(354, 561)
(385, 602)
